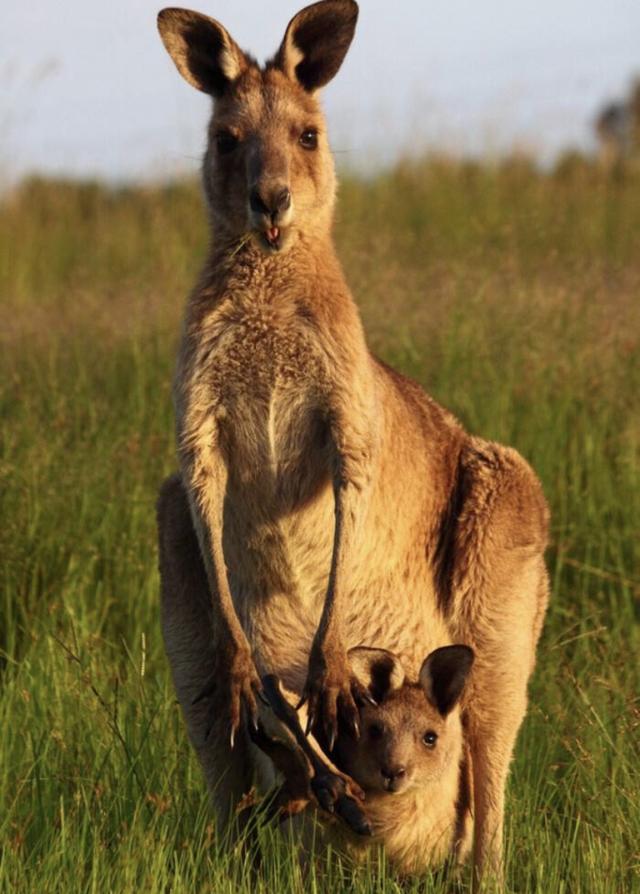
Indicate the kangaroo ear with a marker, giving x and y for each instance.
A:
(202, 50)
(316, 42)
(379, 671)
(443, 675)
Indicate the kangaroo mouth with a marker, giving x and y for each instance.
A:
(272, 239)
(272, 236)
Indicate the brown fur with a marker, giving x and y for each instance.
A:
(335, 504)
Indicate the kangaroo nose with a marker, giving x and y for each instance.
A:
(271, 202)
(393, 773)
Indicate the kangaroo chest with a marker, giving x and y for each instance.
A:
(262, 369)
(262, 374)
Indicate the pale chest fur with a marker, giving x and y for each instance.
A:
(257, 369)
(261, 370)
(416, 830)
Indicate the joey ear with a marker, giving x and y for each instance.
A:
(443, 675)
(316, 42)
(202, 50)
(378, 670)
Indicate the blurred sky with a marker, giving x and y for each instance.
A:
(86, 87)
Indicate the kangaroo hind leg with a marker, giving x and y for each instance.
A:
(189, 638)
(496, 603)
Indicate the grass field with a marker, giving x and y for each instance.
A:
(514, 297)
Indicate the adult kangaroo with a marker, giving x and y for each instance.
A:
(324, 501)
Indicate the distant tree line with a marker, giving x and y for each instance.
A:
(617, 127)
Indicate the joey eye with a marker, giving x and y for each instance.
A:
(375, 731)
(309, 138)
(226, 142)
(430, 738)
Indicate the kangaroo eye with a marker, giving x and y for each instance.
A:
(430, 738)
(309, 138)
(226, 142)
(375, 731)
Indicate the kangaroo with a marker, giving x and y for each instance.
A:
(323, 501)
(410, 758)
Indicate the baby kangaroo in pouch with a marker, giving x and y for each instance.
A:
(410, 756)
(324, 501)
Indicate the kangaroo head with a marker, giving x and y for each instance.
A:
(268, 171)
(414, 733)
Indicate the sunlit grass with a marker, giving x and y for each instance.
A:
(514, 297)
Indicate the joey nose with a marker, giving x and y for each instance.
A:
(393, 773)
(271, 202)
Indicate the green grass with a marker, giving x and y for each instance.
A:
(514, 297)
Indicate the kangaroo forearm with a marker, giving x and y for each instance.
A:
(207, 477)
(227, 621)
